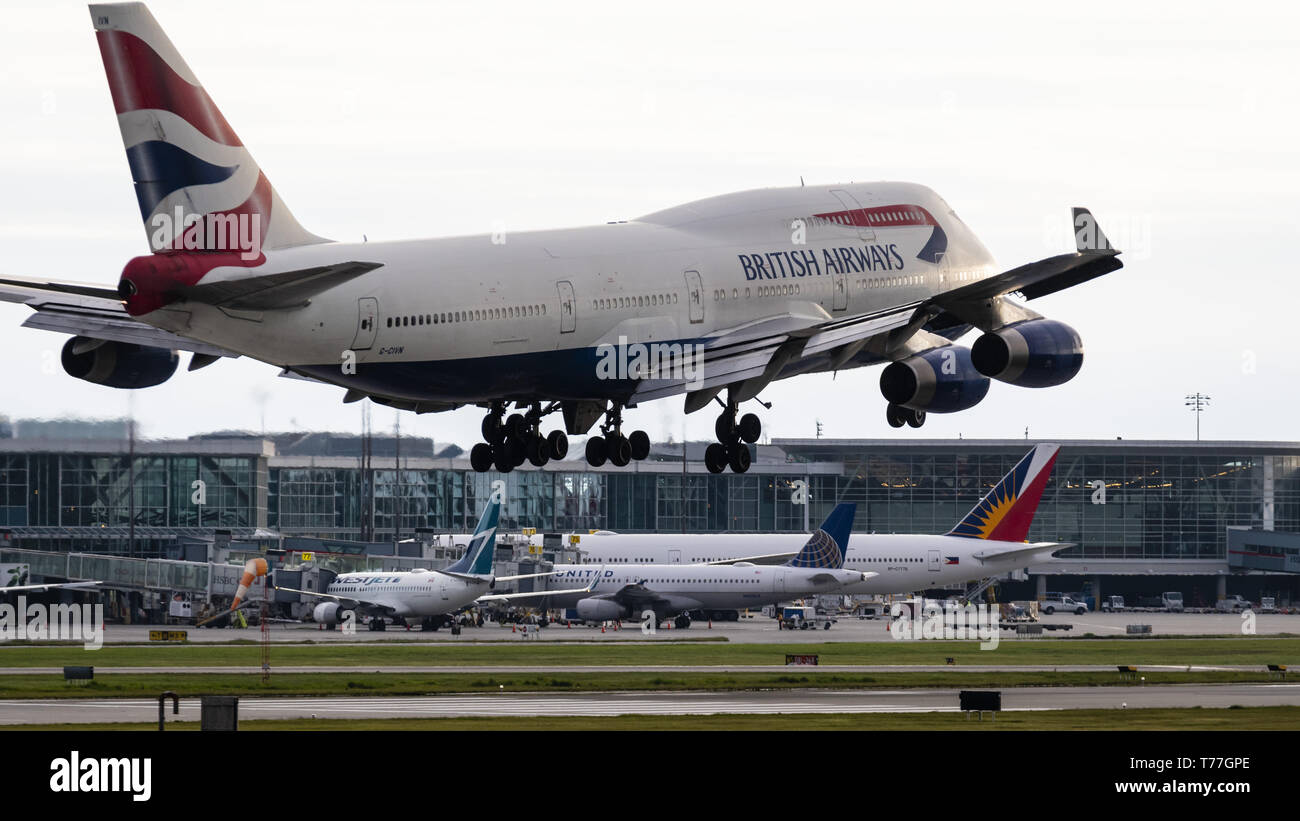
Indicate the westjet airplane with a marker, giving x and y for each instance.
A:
(988, 541)
(423, 594)
(624, 591)
(718, 296)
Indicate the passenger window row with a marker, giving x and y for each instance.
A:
(624, 302)
(468, 315)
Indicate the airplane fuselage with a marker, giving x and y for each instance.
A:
(524, 315)
(905, 562)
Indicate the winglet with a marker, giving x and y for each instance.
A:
(1088, 236)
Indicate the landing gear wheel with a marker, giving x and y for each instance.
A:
(640, 442)
(738, 457)
(620, 450)
(538, 451)
(894, 415)
(480, 457)
(750, 428)
(558, 444)
(596, 451)
(725, 427)
(715, 457)
(503, 456)
(682, 622)
(518, 451)
(516, 426)
(916, 419)
(491, 427)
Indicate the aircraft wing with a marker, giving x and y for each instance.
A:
(748, 357)
(1093, 257)
(93, 312)
(60, 585)
(330, 596)
(534, 594)
(763, 558)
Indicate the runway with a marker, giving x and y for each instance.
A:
(753, 630)
(651, 668)
(766, 702)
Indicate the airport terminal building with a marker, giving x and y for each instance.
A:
(1201, 517)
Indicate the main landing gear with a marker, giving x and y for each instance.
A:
(508, 442)
(612, 446)
(897, 416)
(731, 449)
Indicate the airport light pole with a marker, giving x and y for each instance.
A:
(1197, 402)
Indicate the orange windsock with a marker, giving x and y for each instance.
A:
(252, 570)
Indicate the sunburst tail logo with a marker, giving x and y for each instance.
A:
(1007, 511)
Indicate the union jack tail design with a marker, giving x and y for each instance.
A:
(1005, 514)
(185, 159)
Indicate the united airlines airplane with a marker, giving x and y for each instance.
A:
(714, 298)
(988, 541)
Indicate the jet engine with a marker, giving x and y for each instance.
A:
(941, 380)
(327, 613)
(117, 364)
(1037, 353)
(599, 609)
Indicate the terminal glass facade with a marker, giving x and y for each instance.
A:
(1122, 500)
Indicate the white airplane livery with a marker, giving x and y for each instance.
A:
(423, 594)
(621, 591)
(988, 541)
(711, 299)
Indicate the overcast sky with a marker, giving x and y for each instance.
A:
(1175, 123)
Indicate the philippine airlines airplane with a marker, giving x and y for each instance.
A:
(617, 592)
(988, 541)
(423, 594)
(718, 296)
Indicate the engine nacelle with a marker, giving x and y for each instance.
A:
(327, 613)
(118, 364)
(598, 609)
(1038, 353)
(942, 380)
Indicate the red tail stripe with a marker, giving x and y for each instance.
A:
(139, 79)
(1014, 526)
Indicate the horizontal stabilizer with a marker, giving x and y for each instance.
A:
(269, 292)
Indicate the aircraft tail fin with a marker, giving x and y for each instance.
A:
(830, 543)
(1006, 512)
(477, 560)
(195, 182)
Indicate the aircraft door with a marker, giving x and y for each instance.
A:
(442, 590)
(674, 557)
(840, 300)
(367, 322)
(934, 563)
(568, 307)
(695, 296)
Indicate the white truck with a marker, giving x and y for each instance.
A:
(1233, 604)
(1065, 604)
